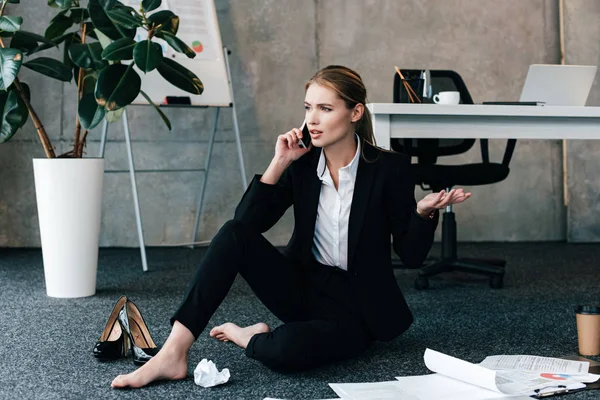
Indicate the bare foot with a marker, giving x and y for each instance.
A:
(167, 364)
(240, 336)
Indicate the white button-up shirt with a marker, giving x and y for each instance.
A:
(330, 244)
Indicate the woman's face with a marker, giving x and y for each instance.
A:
(327, 117)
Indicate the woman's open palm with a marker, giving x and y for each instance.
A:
(442, 199)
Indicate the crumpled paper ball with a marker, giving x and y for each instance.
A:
(207, 375)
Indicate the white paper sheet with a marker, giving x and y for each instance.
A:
(527, 382)
(273, 398)
(503, 381)
(460, 369)
(535, 363)
(436, 386)
(371, 391)
(460, 380)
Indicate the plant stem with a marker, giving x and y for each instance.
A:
(82, 144)
(80, 86)
(36, 121)
(3, 5)
(41, 131)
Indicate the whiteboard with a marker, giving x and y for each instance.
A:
(199, 29)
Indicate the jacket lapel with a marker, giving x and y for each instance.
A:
(312, 188)
(365, 175)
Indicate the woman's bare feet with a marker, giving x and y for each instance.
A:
(162, 366)
(170, 363)
(240, 336)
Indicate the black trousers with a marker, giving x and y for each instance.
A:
(321, 323)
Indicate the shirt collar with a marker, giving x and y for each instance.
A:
(351, 168)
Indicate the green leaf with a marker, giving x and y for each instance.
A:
(13, 116)
(10, 23)
(23, 42)
(10, 64)
(36, 37)
(60, 3)
(79, 14)
(180, 76)
(30, 43)
(150, 5)
(115, 116)
(108, 4)
(58, 26)
(27, 92)
(160, 112)
(87, 55)
(90, 113)
(64, 3)
(103, 39)
(123, 17)
(50, 67)
(99, 14)
(73, 37)
(166, 18)
(89, 83)
(69, 40)
(59, 15)
(89, 30)
(147, 55)
(118, 50)
(118, 85)
(177, 44)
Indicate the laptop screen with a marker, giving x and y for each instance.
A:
(558, 85)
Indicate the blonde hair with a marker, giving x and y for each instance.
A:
(348, 85)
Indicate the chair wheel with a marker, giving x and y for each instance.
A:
(497, 282)
(421, 283)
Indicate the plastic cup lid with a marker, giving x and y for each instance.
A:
(588, 309)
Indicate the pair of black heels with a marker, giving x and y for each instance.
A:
(124, 330)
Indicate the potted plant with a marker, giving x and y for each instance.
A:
(104, 60)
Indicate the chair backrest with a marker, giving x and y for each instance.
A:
(428, 150)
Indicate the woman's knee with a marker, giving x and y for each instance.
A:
(287, 363)
(230, 228)
(282, 357)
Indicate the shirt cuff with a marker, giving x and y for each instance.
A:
(430, 217)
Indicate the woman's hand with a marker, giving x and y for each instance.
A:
(439, 200)
(287, 148)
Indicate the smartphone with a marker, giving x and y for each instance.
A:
(305, 141)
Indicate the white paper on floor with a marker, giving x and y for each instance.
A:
(207, 375)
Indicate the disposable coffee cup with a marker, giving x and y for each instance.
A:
(588, 330)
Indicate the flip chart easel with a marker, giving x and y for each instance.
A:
(211, 65)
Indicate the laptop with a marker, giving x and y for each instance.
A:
(558, 85)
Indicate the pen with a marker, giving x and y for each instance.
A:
(562, 390)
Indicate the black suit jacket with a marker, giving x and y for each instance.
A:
(383, 204)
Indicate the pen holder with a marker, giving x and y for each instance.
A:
(417, 87)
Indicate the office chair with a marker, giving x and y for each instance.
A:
(432, 176)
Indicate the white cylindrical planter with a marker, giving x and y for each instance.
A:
(69, 202)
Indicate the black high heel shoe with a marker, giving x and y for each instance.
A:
(142, 345)
(113, 343)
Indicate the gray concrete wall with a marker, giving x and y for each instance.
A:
(277, 45)
(582, 44)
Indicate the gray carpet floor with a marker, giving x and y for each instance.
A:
(45, 343)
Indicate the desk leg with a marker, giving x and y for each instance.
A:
(382, 130)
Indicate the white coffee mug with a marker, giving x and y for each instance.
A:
(447, 98)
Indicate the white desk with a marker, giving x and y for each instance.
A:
(394, 120)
